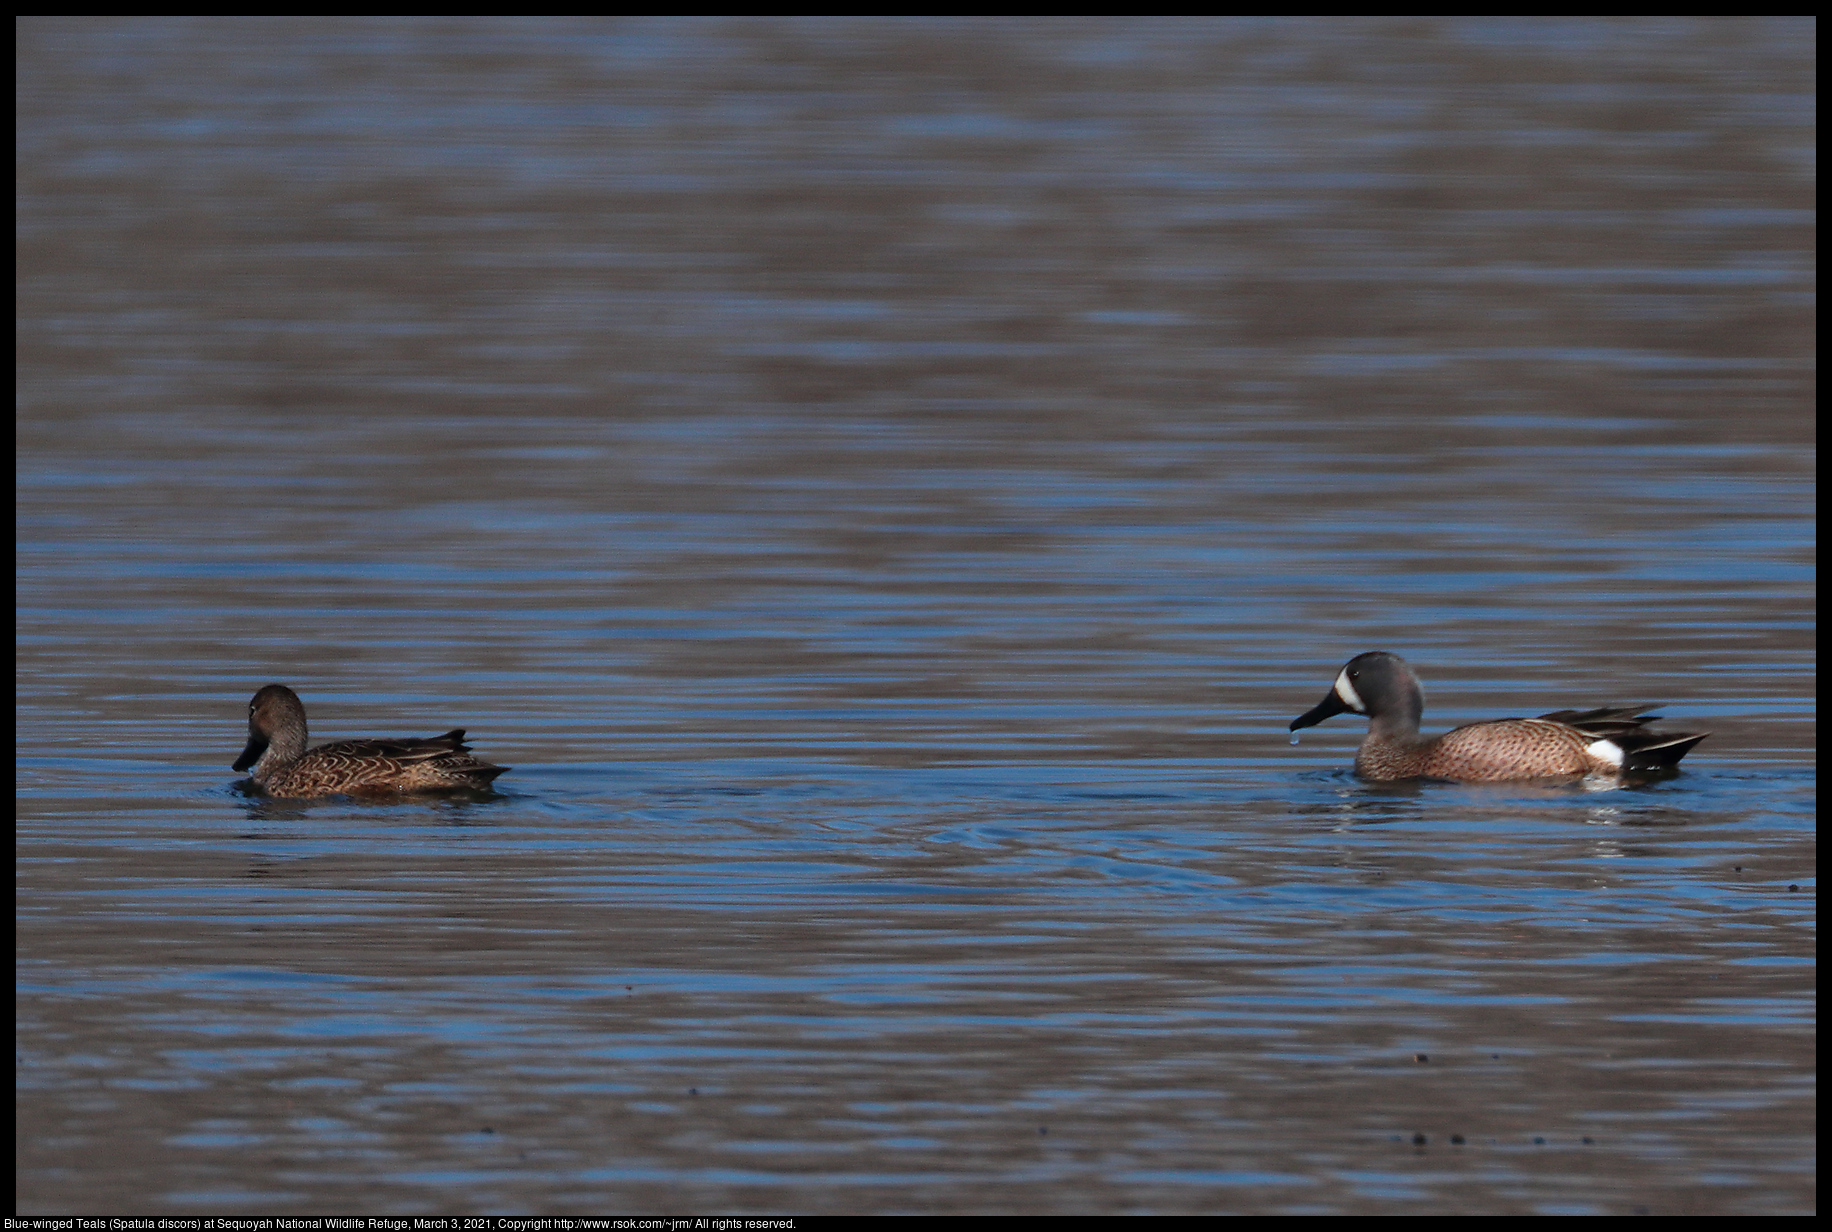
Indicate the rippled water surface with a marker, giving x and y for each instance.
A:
(886, 487)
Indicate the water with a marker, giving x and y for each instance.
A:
(886, 487)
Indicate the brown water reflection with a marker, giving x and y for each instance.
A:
(885, 486)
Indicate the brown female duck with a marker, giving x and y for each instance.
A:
(283, 767)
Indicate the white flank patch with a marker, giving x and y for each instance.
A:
(1606, 750)
(1346, 692)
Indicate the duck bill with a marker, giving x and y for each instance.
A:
(257, 745)
(1330, 705)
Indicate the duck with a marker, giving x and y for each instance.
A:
(282, 766)
(1608, 742)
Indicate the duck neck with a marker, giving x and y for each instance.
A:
(1400, 725)
(285, 745)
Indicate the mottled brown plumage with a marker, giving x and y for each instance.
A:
(1607, 742)
(282, 766)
